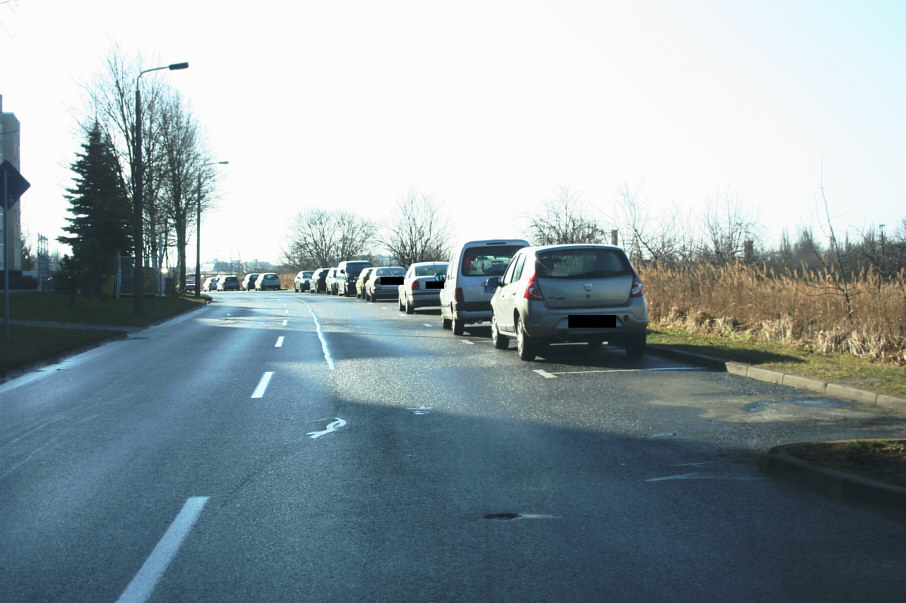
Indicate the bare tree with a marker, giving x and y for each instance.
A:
(319, 238)
(565, 219)
(667, 239)
(417, 231)
(728, 227)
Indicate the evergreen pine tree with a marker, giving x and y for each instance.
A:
(100, 224)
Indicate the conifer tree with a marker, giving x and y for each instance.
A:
(100, 224)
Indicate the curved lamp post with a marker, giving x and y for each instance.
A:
(138, 273)
(198, 229)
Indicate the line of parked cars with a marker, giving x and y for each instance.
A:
(534, 295)
(252, 281)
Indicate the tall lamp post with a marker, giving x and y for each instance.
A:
(138, 273)
(198, 229)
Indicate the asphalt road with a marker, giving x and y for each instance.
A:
(298, 447)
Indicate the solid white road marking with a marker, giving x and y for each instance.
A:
(262, 385)
(324, 348)
(143, 584)
(279, 343)
(335, 425)
(697, 476)
(467, 342)
(545, 374)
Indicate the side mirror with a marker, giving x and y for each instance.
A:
(440, 277)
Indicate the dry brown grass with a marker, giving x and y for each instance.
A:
(759, 304)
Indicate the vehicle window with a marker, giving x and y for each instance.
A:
(582, 263)
(430, 270)
(508, 277)
(488, 261)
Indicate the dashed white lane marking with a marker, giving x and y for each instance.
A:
(143, 584)
(545, 374)
(285, 322)
(279, 343)
(467, 342)
(262, 385)
(335, 425)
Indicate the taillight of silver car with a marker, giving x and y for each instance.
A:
(636, 286)
(533, 290)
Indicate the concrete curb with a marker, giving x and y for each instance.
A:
(778, 462)
(836, 390)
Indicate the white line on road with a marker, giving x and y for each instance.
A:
(143, 584)
(279, 343)
(262, 385)
(324, 348)
(545, 374)
(285, 322)
(467, 342)
(335, 425)
(698, 476)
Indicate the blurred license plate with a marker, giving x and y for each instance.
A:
(591, 321)
(434, 285)
(391, 280)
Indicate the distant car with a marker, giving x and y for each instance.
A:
(383, 282)
(210, 283)
(248, 283)
(190, 286)
(229, 282)
(360, 282)
(465, 298)
(421, 286)
(331, 281)
(302, 281)
(347, 273)
(268, 280)
(568, 293)
(319, 281)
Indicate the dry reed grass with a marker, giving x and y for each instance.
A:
(792, 308)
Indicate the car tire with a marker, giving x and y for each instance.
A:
(445, 322)
(500, 341)
(524, 345)
(458, 324)
(400, 306)
(410, 309)
(635, 345)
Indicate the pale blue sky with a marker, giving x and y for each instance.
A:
(489, 107)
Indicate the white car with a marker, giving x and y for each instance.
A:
(421, 286)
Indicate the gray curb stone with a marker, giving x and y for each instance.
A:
(890, 499)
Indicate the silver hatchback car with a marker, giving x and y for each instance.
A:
(568, 293)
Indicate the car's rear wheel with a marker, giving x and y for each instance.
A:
(445, 322)
(635, 345)
(410, 309)
(400, 304)
(458, 324)
(500, 341)
(524, 345)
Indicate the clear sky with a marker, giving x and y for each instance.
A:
(488, 107)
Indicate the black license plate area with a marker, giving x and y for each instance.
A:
(392, 280)
(591, 321)
(434, 285)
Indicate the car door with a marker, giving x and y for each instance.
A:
(504, 301)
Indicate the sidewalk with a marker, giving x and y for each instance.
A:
(778, 462)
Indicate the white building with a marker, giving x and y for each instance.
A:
(9, 151)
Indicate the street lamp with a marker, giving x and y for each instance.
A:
(138, 273)
(198, 229)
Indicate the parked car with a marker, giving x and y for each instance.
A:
(248, 283)
(347, 273)
(421, 286)
(465, 297)
(319, 281)
(568, 293)
(190, 286)
(230, 282)
(332, 281)
(268, 280)
(302, 281)
(383, 282)
(360, 282)
(210, 283)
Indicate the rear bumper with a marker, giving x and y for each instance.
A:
(545, 323)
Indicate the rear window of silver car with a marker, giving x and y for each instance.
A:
(582, 263)
(488, 261)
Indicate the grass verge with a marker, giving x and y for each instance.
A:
(29, 345)
(800, 360)
(878, 460)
